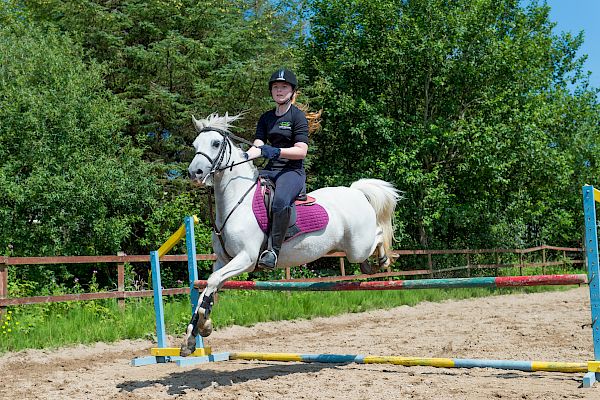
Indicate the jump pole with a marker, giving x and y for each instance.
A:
(163, 353)
(527, 366)
(449, 283)
(590, 197)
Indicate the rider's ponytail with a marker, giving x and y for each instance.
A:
(313, 118)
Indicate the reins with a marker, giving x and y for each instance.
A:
(216, 167)
(216, 230)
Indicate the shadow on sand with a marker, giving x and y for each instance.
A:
(178, 383)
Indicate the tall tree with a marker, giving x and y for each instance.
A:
(70, 181)
(464, 105)
(170, 59)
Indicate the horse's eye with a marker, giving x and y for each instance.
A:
(216, 143)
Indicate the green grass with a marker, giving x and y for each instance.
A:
(60, 324)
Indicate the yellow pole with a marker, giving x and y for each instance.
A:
(174, 239)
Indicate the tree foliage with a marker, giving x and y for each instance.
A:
(465, 106)
(172, 58)
(477, 110)
(95, 113)
(71, 183)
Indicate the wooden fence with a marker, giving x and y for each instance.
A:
(121, 293)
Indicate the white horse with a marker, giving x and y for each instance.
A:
(360, 218)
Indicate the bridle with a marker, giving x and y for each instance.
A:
(224, 148)
(216, 166)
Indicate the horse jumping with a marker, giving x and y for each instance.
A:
(359, 219)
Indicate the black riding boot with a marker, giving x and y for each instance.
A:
(279, 225)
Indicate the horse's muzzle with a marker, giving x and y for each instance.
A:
(195, 175)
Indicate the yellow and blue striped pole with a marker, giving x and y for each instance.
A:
(527, 366)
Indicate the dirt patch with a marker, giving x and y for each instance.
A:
(540, 326)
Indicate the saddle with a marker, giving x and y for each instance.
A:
(268, 187)
(306, 214)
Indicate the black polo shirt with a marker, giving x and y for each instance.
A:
(283, 132)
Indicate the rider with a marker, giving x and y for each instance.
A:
(286, 129)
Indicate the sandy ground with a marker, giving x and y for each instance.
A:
(542, 326)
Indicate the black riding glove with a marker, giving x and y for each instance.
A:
(269, 152)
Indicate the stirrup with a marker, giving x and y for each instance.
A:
(263, 263)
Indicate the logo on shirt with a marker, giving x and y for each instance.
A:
(285, 125)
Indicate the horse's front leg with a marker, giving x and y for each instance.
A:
(201, 322)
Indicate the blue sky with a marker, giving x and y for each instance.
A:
(581, 15)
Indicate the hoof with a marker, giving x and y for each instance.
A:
(367, 268)
(204, 326)
(206, 329)
(189, 344)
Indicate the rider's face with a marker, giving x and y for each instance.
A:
(281, 92)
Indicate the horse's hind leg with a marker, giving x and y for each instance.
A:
(383, 260)
(366, 267)
(201, 323)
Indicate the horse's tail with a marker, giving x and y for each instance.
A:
(383, 197)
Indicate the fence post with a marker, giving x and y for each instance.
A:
(121, 279)
(430, 264)
(520, 263)
(288, 273)
(342, 267)
(3, 286)
(544, 261)
(497, 261)
(468, 264)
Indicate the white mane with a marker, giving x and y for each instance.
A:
(216, 121)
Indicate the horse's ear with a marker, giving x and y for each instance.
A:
(198, 124)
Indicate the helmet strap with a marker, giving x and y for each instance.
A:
(288, 100)
(287, 104)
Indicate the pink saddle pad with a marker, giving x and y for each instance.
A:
(309, 218)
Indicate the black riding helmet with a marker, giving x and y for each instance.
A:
(283, 75)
